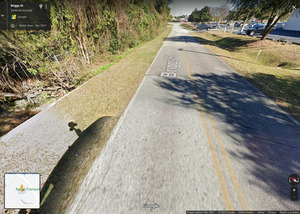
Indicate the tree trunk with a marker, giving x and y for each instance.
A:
(270, 27)
(267, 29)
(242, 29)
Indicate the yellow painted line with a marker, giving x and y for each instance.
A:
(230, 169)
(216, 161)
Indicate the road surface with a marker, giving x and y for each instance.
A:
(196, 136)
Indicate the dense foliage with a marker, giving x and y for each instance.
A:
(82, 30)
(202, 15)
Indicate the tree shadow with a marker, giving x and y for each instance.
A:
(286, 90)
(265, 139)
(212, 54)
(186, 39)
(229, 44)
(183, 96)
(65, 179)
(226, 43)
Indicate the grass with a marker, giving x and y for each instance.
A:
(187, 26)
(91, 73)
(276, 71)
(95, 107)
(108, 93)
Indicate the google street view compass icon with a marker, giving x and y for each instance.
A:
(294, 179)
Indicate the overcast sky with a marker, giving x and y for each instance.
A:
(185, 7)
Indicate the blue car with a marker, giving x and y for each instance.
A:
(258, 28)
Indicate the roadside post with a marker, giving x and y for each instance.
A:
(257, 55)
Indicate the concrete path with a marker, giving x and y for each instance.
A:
(196, 136)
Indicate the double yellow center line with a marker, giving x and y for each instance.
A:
(203, 109)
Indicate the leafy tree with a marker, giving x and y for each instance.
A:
(202, 15)
(205, 14)
(233, 15)
(273, 10)
(194, 17)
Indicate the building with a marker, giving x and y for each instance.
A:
(294, 21)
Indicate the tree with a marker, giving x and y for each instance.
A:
(205, 14)
(273, 10)
(194, 17)
(243, 14)
(233, 15)
(202, 15)
(218, 13)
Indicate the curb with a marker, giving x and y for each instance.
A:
(295, 43)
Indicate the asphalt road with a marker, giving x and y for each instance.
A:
(205, 139)
(291, 36)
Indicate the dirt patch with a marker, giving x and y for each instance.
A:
(10, 120)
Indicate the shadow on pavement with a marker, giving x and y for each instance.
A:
(185, 39)
(212, 54)
(67, 176)
(262, 137)
(276, 83)
(227, 43)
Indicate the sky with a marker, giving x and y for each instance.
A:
(186, 7)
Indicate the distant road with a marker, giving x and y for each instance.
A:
(196, 136)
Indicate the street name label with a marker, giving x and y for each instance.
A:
(172, 66)
(22, 191)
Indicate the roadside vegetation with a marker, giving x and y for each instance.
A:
(103, 98)
(276, 71)
(86, 38)
(108, 93)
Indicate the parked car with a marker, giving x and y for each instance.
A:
(203, 27)
(258, 28)
(214, 26)
(242, 24)
(252, 24)
(237, 24)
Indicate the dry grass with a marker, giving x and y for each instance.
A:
(188, 26)
(262, 43)
(96, 107)
(276, 71)
(109, 93)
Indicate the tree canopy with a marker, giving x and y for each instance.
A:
(272, 10)
(202, 15)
